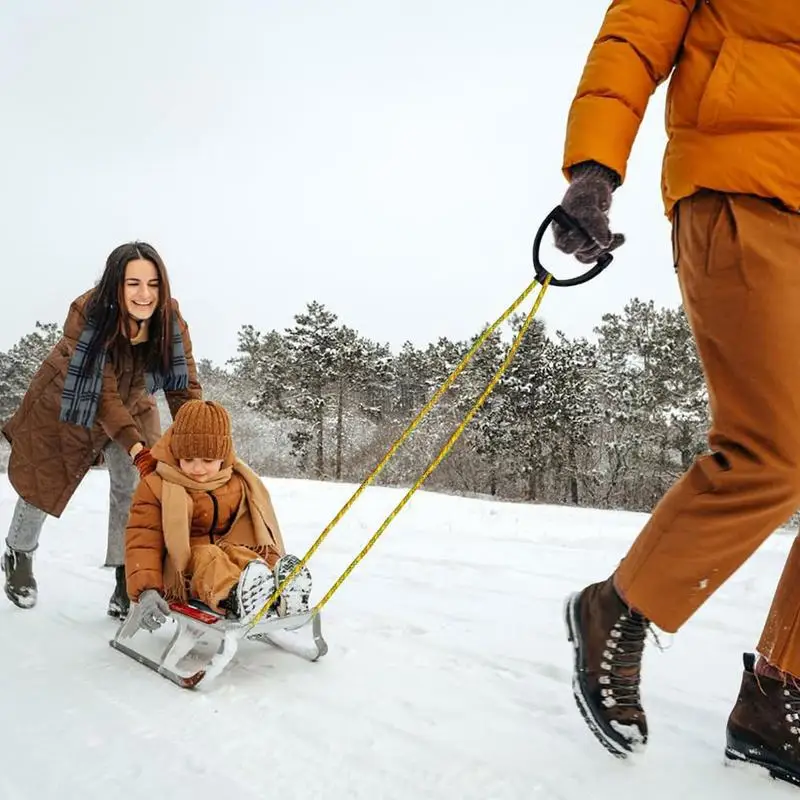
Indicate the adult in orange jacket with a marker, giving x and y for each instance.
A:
(731, 188)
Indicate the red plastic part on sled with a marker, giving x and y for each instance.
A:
(194, 613)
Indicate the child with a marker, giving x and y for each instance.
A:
(202, 526)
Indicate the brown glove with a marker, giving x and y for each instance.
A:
(587, 201)
(144, 462)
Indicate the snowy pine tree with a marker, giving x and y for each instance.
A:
(487, 442)
(262, 368)
(312, 347)
(653, 397)
(572, 416)
(19, 364)
(411, 380)
(524, 411)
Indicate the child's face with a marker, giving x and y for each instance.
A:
(200, 469)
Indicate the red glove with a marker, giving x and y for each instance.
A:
(144, 462)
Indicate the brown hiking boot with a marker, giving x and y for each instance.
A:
(764, 726)
(608, 639)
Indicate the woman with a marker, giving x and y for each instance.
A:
(92, 398)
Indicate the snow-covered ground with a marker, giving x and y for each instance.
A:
(448, 674)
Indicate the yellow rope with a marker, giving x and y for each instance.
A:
(406, 433)
(444, 451)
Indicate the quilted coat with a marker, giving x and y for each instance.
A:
(733, 99)
(49, 458)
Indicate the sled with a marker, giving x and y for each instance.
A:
(203, 642)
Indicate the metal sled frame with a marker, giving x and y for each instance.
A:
(207, 642)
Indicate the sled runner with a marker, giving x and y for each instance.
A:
(203, 643)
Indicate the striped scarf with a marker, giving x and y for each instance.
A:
(82, 389)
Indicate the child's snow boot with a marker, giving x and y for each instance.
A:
(295, 597)
(256, 585)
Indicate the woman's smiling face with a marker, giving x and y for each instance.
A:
(141, 288)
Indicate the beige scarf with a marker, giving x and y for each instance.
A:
(176, 515)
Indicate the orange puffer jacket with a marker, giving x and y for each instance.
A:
(733, 102)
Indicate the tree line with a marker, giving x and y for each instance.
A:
(609, 422)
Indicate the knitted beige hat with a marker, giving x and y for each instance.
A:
(202, 429)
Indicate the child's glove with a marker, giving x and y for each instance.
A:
(588, 200)
(150, 612)
(144, 462)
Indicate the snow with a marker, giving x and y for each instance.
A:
(448, 674)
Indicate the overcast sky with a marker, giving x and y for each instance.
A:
(390, 160)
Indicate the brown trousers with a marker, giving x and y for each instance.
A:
(215, 570)
(738, 261)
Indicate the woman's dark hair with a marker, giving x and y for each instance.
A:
(106, 308)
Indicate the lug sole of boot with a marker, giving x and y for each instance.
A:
(294, 598)
(737, 752)
(21, 602)
(612, 742)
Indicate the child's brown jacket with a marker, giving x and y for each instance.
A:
(170, 514)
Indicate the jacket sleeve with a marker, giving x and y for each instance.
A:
(144, 543)
(113, 415)
(175, 399)
(633, 53)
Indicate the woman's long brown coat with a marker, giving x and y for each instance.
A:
(49, 458)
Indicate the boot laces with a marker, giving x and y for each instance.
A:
(791, 705)
(622, 660)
